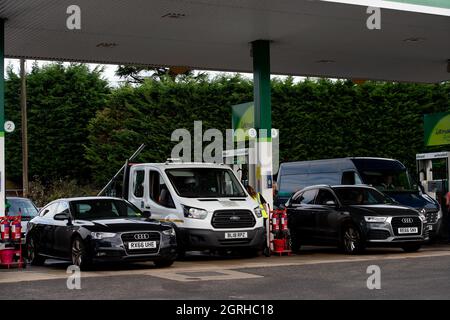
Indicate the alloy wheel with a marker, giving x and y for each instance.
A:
(77, 253)
(31, 250)
(351, 240)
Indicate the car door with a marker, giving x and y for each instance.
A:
(63, 231)
(46, 229)
(301, 215)
(159, 199)
(327, 215)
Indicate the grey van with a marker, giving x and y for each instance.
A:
(389, 176)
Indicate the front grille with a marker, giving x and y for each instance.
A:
(232, 219)
(398, 223)
(378, 234)
(130, 237)
(234, 242)
(432, 217)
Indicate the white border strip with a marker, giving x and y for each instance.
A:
(396, 6)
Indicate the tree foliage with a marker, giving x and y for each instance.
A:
(79, 129)
(317, 119)
(149, 113)
(61, 101)
(138, 74)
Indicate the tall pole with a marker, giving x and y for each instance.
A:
(23, 107)
(263, 117)
(2, 119)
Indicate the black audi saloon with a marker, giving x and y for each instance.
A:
(353, 218)
(94, 229)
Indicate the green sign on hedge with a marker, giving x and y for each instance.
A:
(437, 129)
(243, 117)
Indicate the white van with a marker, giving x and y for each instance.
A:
(209, 206)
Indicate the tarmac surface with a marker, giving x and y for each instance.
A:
(315, 273)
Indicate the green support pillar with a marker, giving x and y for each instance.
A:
(263, 118)
(2, 118)
(261, 79)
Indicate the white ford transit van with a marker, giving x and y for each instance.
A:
(209, 206)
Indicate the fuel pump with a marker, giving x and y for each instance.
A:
(433, 173)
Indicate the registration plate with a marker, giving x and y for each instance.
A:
(408, 230)
(236, 235)
(142, 245)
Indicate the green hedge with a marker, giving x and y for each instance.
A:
(317, 119)
(80, 129)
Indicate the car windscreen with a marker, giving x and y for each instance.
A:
(93, 209)
(21, 207)
(360, 196)
(205, 183)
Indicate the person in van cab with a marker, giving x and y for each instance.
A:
(388, 183)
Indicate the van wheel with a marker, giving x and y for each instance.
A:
(181, 248)
(33, 253)
(294, 242)
(352, 241)
(412, 248)
(250, 252)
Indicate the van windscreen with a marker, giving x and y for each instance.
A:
(383, 174)
(289, 184)
(205, 183)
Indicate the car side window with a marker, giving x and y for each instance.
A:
(306, 197)
(63, 207)
(324, 196)
(50, 210)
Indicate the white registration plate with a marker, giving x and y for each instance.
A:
(408, 230)
(142, 245)
(236, 235)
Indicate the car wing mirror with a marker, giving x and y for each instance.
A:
(61, 216)
(330, 203)
(147, 214)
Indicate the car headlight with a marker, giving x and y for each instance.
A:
(375, 219)
(258, 212)
(102, 235)
(422, 215)
(194, 213)
(439, 214)
(169, 232)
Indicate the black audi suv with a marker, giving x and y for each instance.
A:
(353, 217)
(93, 229)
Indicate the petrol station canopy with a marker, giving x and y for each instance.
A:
(308, 38)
